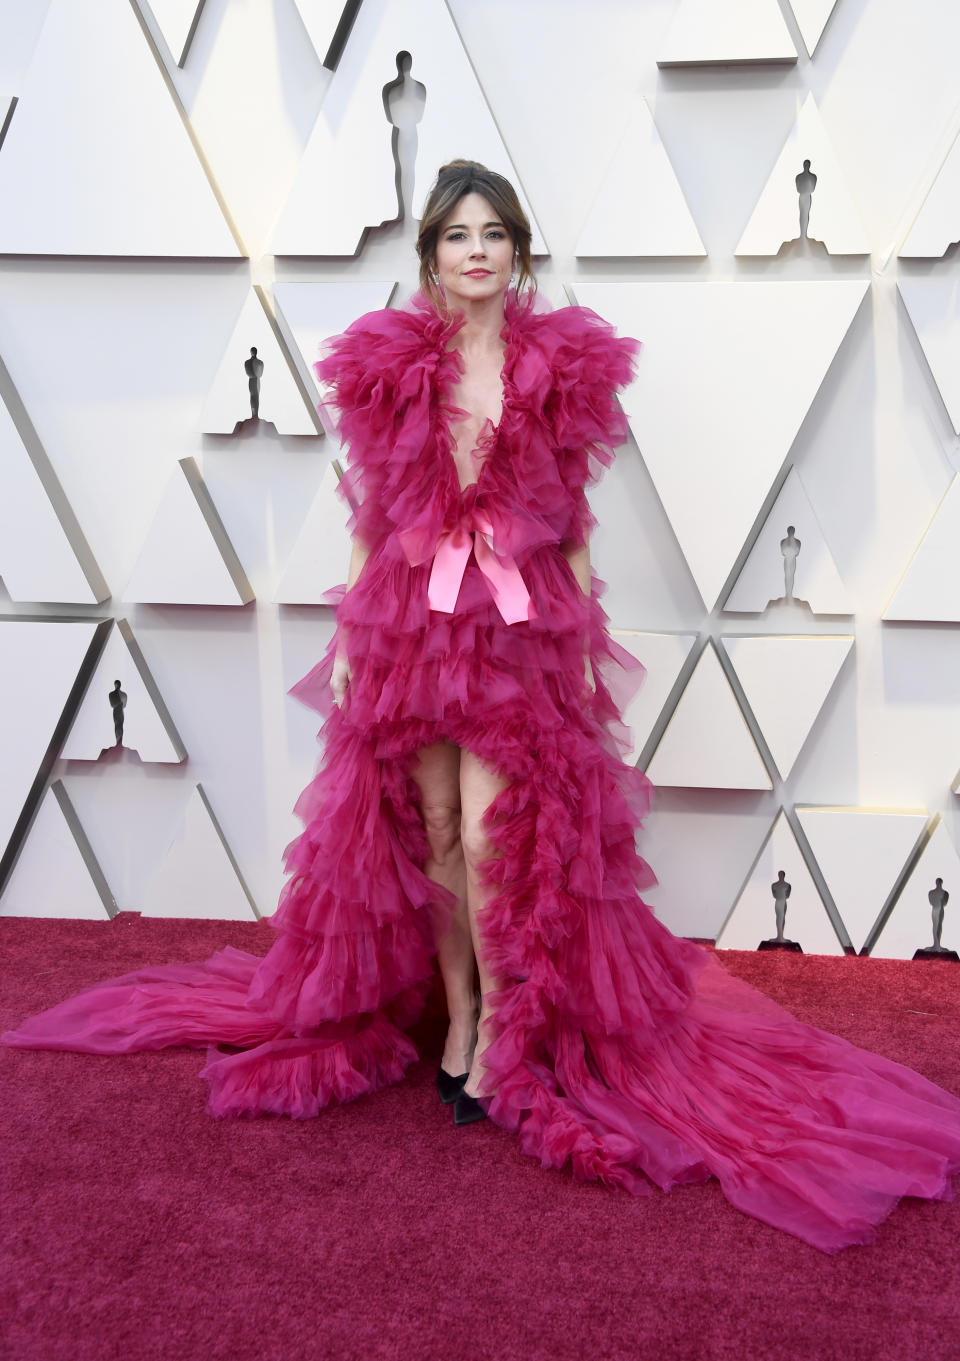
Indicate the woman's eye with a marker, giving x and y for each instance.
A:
(497, 235)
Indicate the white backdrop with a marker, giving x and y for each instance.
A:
(112, 353)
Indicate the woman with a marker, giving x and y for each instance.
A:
(473, 236)
(472, 802)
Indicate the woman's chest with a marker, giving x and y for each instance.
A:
(478, 398)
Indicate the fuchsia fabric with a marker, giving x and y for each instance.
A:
(620, 1050)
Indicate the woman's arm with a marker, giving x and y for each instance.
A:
(578, 556)
(340, 676)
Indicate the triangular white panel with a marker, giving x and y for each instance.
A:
(930, 587)
(726, 375)
(187, 558)
(640, 208)
(281, 399)
(321, 554)
(753, 917)
(309, 313)
(763, 579)
(786, 680)
(861, 853)
(707, 744)
(199, 876)
(56, 873)
(937, 225)
(330, 205)
(663, 654)
(177, 20)
(707, 31)
(41, 662)
(834, 220)
(147, 726)
(38, 562)
(934, 309)
(910, 925)
(321, 19)
(811, 17)
(98, 160)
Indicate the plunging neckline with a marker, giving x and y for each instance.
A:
(487, 437)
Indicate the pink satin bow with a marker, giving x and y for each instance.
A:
(474, 533)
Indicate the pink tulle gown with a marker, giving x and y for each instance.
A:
(619, 1049)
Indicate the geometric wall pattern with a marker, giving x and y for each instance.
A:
(645, 212)
(42, 663)
(321, 19)
(147, 727)
(930, 586)
(753, 916)
(177, 21)
(198, 876)
(811, 17)
(833, 219)
(330, 206)
(129, 183)
(801, 563)
(56, 873)
(934, 309)
(707, 744)
(705, 32)
(715, 429)
(664, 656)
(910, 925)
(110, 185)
(937, 224)
(43, 553)
(862, 853)
(786, 681)
(308, 313)
(282, 398)
(322, 551)
(187, 558)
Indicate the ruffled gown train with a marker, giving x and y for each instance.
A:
(619, 1050)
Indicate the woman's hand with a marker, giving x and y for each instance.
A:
(340, 677)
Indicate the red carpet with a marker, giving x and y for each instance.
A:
(136, 1226)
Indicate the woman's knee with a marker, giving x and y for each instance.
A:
(480, 784)
(442, 825)
(437, 773)
(475, 840)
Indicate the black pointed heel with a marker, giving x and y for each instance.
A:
(449, 1087)
(466, 1109)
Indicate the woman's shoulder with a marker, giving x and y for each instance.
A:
(377, 331)
(579, 335)
(571, 366)
(382, 358)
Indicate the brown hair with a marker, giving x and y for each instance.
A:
(455, 179)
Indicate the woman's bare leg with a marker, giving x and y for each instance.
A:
(479, 785)
(437, 773)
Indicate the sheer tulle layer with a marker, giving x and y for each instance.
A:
(618, 1049)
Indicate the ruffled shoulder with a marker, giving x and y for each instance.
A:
(569, 370)
(573, 365)
(381, 362)
(380, 375)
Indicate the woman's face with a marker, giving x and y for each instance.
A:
(474, 251)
